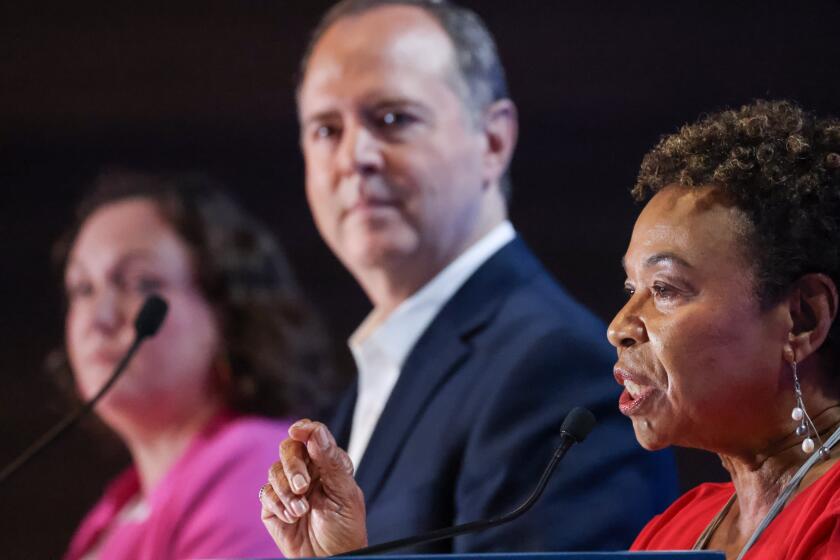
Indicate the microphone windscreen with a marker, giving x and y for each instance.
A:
(578, 423)
(150, 316)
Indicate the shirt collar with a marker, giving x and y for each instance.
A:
(392, 341)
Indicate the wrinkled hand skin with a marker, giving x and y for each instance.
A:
(311, 504)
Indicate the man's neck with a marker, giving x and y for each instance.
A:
(390, 283)
(388, 287)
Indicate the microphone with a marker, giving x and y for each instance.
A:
(576, 426)
(150, 317)
(146, 324)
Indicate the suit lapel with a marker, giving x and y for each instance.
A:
(419, 380)
(342, 419)
(439, 352)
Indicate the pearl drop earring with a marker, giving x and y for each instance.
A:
(806, 425)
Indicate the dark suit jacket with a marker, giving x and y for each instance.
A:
(475, 416)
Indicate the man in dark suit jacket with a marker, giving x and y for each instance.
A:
(472, 354)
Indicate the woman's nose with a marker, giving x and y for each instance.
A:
(627, 327)
(108, 312)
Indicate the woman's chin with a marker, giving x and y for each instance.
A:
(648, 438)
(121, 402)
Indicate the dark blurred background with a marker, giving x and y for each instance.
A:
(208, 85)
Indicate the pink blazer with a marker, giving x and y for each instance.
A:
(205, 507)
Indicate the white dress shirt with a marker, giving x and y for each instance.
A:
(381, 353)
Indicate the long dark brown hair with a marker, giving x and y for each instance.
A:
(274, 355)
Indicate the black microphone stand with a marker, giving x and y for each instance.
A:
(577, 425)
(148, 321)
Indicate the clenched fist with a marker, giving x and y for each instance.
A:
(311, 505)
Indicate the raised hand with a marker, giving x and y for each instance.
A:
(311, 505)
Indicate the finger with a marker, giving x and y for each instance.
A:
(321, 445)
(293, 457)
(341, 462)
(334, 464)
(276, 528)
(272, 507)
(302, 429)
(296, 506)
(347, 462)
(314, 435)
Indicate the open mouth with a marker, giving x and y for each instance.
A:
(633, 388)
(633, 397)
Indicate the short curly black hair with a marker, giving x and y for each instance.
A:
(276, 354)
(780, 165)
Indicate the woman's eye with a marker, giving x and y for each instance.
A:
(78, 289)
(146, 285)
(629, 290)
(662, 291)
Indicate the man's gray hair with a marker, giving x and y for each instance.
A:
(480, 71)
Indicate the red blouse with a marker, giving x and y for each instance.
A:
(808, 528)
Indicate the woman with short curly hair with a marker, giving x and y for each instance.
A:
(728, 341)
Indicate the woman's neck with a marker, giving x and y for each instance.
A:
(156, 446)
(761, 477)
(758, 482)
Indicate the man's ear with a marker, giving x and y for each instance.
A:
(813, 307)
(500, 125)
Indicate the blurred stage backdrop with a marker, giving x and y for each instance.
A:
(208, 85)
